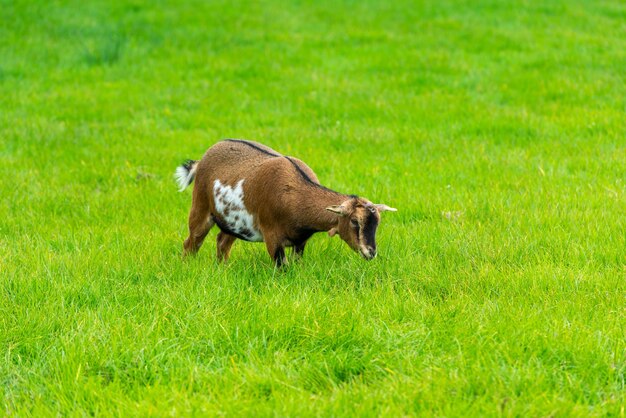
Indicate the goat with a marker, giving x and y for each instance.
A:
(253, 193)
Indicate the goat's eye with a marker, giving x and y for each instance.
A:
(354, 223)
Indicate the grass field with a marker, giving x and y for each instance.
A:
(496, 128)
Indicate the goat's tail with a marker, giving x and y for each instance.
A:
(185, 173)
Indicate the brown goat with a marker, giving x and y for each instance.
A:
(256, 194)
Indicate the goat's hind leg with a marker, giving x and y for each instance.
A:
(200, 222)
(224, 244)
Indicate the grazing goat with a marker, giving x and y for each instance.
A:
(256, 194)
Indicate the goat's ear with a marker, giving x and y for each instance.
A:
(332, 232)
(338, 209)
(383, 208)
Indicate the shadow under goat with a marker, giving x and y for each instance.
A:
(253, 193)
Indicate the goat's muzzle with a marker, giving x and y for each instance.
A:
(368, 252)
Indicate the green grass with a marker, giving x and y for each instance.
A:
(507, 115)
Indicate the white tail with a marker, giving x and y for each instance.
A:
(185, 174)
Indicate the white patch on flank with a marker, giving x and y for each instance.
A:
(184, 177)
(229, 205)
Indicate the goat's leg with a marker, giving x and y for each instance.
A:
(224, 243)
(276, 250)
(279, 256)
(200, 222)
(299, 249)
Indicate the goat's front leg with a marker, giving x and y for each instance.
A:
(298, 249)
(276, 249)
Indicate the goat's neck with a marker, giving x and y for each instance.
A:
(315, 203)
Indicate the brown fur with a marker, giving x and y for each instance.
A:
(288, 205)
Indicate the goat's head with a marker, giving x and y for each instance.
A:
(357, 222)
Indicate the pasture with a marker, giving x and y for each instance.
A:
(496, 128)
